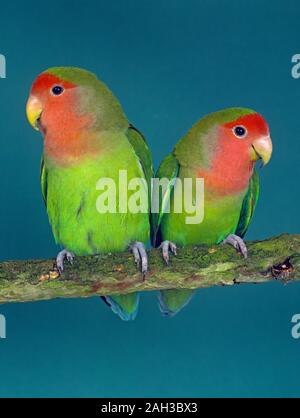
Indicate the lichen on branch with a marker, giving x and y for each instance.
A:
(193, 268)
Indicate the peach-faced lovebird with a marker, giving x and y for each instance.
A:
(221, 149)
(87, 137)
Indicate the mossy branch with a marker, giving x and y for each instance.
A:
(194, 267)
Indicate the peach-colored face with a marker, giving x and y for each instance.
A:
(54, 109)
(54, 104)
(239, 145)
(248, 134)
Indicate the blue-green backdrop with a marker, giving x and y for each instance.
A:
(169, 62)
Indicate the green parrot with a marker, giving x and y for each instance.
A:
(87, 137)
(221, 149)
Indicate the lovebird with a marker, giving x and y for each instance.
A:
(87, 137)
(222, 149)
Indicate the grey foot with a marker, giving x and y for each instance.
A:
(237, 243)
(140, 255)
(166, 247)
(61, 257)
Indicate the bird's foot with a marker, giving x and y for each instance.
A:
(61, 257)
(140, 255)
(238, 243)
(167, 247)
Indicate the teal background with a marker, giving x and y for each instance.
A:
(169, 62)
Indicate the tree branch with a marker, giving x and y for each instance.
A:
(194, 267)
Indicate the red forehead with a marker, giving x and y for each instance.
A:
(46, 81)
(253, 121)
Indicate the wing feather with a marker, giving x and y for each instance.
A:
(169, 169)
(248, 206)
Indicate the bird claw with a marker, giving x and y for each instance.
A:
(140, 256)
(238, 243)
(61, 257)
(167, 247)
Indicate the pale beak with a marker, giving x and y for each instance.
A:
(34, 111)
(262, 149)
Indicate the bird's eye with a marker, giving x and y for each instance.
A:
(240, 131)
(57, 90)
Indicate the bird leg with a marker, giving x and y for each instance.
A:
(61, 257)
(237, 242)
(140, 255)
(166, 247)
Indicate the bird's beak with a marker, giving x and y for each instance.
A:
(34, 111)
(262, 149)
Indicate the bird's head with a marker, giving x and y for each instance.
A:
(246, 135)
(69, 99)
(223, 147)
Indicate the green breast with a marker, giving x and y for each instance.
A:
(71, 204)
(221, 216)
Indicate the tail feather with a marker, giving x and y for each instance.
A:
(126, 306)
(172, 301)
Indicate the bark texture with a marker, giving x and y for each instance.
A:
(194, 267)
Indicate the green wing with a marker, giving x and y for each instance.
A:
(249, 205)
(43, 178)
(169, 168)
(139, 144)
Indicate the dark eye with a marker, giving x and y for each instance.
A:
(57, 90)
(240, 131)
